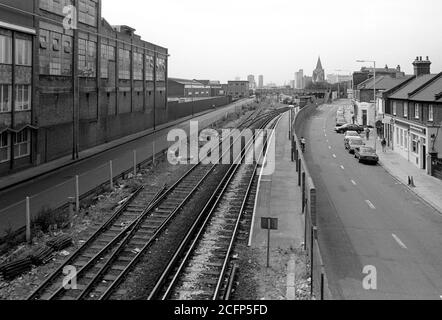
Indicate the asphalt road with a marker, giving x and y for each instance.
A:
(367, 218)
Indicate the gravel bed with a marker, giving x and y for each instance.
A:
(141, 281)
(83, 226)
(255, 282)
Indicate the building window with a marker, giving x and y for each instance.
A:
(87, 53)
(124, 64)
(5, 49)
(430, 113)
(150, 66)
(55, 6)
(416, 110)
(22, 97)
(23, 52)
(87, 12)
(137, 66)
(405, 109)
(55, 54)
(107, 55)
(5, 150)
(22, 144)
(5, 97)
(394, 108)
(161, 69)
(415, 144)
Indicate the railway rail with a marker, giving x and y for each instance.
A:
(111, 253)
(199, 269)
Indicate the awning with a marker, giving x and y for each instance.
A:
(17, 129)
(21, 127)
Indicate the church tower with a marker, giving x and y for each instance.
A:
(318, 73)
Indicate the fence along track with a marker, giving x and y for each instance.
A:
(114, 228)
(126, 241)
(215, 278)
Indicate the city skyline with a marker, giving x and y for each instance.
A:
(207, 56)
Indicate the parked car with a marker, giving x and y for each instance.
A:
(353, 144)
(340, 122)
(350, 127)
(366, 154)
(350, 134)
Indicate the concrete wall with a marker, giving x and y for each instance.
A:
(179, 110)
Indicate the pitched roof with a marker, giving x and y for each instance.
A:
(430, 92)
(383, 82)
(412, 86)
(185, 81)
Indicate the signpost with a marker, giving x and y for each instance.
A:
(269, 224)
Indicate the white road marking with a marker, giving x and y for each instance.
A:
(353, 182)
(334, 156)
(342, 167)
(399, 241)
(325, 134)
(329, 147)
(372, 207)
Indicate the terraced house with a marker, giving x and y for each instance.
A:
(66, 89)
(414, 113)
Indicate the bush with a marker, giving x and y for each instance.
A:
(47, 218)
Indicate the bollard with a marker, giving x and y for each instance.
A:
(322, 286)
(28, 220)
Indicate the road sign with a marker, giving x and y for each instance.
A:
(269, 224)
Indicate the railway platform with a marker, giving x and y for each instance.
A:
(280, 197)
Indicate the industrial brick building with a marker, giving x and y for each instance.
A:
(63, 90)
(184, 88)
(238, 89)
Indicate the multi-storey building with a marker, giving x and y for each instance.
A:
(238, 89)
(367, 73)
(216, 88)
(413, 113)
(69, 85)
(299, 79)
(261, 82)
(252, 83)
(365, 112)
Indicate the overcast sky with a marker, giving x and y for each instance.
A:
(220, 40)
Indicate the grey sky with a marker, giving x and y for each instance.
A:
(220, 40)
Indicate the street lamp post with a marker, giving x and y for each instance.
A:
(374, 97)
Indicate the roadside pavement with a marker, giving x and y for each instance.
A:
(428, 188)
(33, 172)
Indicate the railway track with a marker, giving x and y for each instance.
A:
(110, 254)
(201, 268)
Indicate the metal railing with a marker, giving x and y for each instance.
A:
(319, 281)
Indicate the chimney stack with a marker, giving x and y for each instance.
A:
(421, 67)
